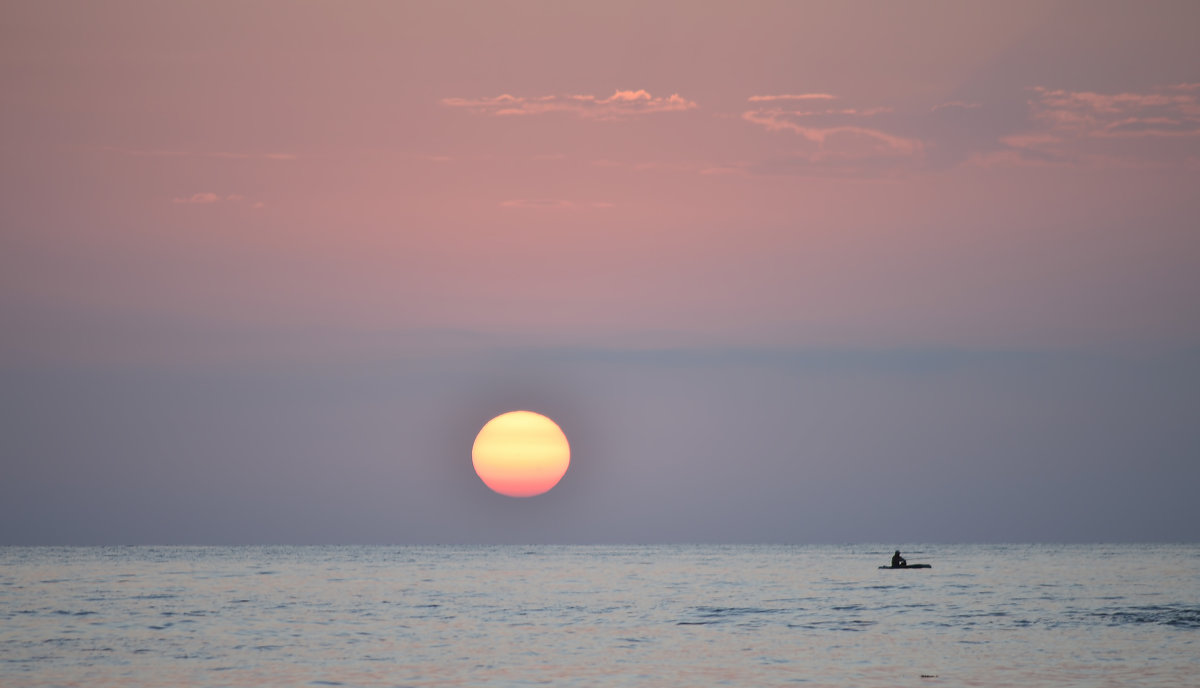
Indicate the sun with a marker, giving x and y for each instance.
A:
(521, 454)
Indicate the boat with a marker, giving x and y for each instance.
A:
(910, 566)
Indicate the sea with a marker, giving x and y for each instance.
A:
(647, 616)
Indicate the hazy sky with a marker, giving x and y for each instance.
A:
(782, 271)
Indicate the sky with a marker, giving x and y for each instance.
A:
(783, 272)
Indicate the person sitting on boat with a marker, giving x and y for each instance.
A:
(898, 561)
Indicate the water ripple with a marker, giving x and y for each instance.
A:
(577, 616)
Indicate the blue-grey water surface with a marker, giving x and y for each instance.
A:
(1095, 615)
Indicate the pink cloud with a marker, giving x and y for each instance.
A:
(1112, 128)
(792, 96)
(198, 198)
(620, 105)
(869, 141)
(778, 112)
(835, 142)
(848, 112)
(1173, 111)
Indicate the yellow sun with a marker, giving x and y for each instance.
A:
(521, 454)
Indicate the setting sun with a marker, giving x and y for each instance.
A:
(521, 454)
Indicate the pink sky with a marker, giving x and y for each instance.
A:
(267, 267)
(774, 174)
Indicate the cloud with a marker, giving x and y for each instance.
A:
(198, 198)
(792, 96)
(833, 140)
(620, 105)
(843, 143)
(1167, 111)
(778, 111)
(1158, 126)
(846, 112)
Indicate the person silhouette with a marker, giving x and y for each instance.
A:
(898, 561)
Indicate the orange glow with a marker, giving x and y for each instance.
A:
(521, 454)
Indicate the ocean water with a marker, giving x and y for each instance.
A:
(1097, 615)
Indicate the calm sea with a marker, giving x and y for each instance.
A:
(1099, 615)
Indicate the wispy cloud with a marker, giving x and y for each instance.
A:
(792, 96)
(845, 147)
(1170, 111)
(620, 105)
(1157, 126)
(845, 112)
(833, 139)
